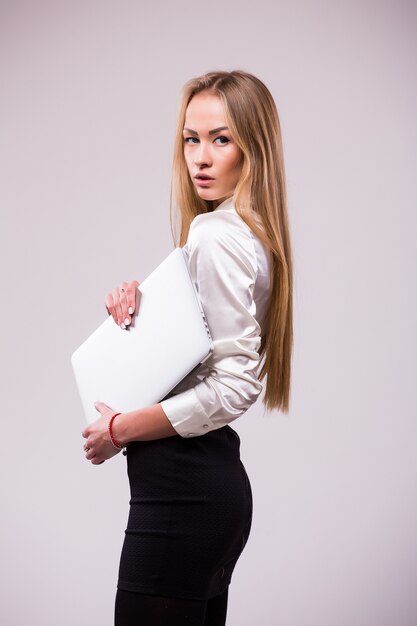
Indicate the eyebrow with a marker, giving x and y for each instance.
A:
(211, 132)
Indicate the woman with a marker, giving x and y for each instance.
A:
(191, 500)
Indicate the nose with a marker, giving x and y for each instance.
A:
(202, 155)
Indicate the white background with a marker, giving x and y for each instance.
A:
(89, 94)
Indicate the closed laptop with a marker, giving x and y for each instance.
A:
(168, 337)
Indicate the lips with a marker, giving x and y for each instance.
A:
(203, 177)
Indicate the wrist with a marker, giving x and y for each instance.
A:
(119, 430)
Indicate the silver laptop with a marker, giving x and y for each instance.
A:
(167, 338)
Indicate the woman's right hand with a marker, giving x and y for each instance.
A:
(121, 303)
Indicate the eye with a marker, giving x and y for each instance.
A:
(221, 137)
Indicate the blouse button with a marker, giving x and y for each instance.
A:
(190, 434)
(205, 425)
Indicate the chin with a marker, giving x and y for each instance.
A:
(207, 194)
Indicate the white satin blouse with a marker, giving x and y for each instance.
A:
(230, 267)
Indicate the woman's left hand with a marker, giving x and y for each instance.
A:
(98, 446)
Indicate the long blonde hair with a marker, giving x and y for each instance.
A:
(260, 200)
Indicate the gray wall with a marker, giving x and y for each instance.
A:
(89, 94)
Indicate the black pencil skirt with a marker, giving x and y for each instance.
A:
(190, 515)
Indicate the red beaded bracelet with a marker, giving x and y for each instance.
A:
(113, 440)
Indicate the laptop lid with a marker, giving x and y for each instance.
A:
(167, 338)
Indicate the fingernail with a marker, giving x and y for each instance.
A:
(130, 310)
(123, 326)
(127, 321)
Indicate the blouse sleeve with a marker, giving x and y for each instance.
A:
(223, 264)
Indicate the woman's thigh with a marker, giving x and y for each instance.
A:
(216, 610)
(139, 609)
(190, 510)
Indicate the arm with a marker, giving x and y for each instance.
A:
(223, 264)
(142, 425)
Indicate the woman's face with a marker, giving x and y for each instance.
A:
(210, 150)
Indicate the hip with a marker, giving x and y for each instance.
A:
(204, 466)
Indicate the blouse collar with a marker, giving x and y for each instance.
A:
(226, 204)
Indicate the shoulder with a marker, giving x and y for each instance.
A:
(219, 226)
(222, 234)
